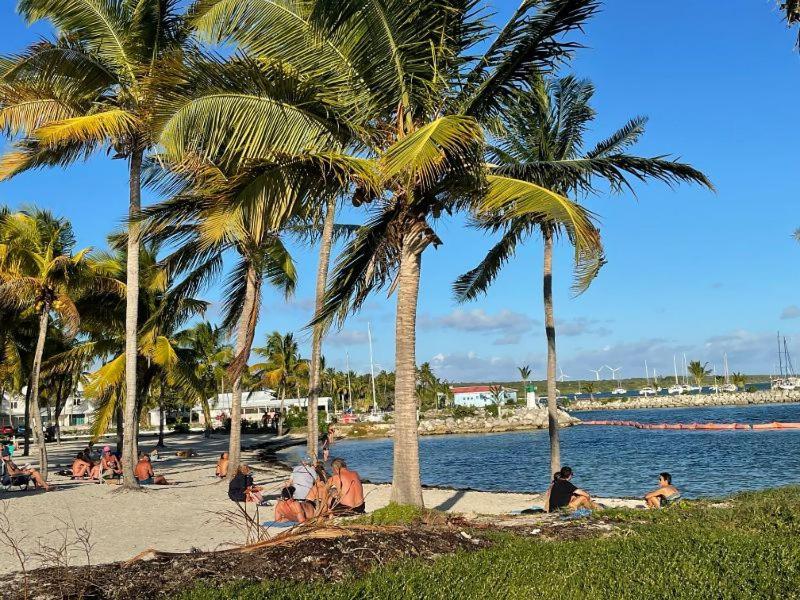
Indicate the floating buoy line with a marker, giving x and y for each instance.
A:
(694, 426)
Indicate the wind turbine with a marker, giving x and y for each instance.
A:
(597, 372)
(613, 372)
(563, 376)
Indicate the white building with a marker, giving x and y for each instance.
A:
(74, 415)
(254, 406)
(480, 395)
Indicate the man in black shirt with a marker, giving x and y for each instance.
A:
(563, 494)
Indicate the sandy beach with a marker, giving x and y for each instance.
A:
(180, 517)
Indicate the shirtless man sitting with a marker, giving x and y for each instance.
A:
(563, 494)
(144, 472)
(665, 492)
(222, 466)
(289, 510)
(13, 471)
(347, 487)
(81, 466)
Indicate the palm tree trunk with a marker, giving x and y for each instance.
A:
(314, 381)
(406, 484)
(36, 413)
(130, 443)
(550, 330)
(60, 401)
(120, 426)
(160, 443)
(280, 411)
(26, 423)
(244, 341)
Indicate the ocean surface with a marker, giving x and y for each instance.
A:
(608, 461)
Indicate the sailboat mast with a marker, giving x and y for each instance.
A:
(646, 374)
(685, 370)
(780, 358)
(675, 367)
(725, 360)
(349, 389)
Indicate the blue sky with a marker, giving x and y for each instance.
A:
(689, 270)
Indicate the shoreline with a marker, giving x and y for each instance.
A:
(689, 401)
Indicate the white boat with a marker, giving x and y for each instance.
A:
(715, 388)
(691, 388)
(728, 387)
(675, 389)
(619, 391)
(647, 390)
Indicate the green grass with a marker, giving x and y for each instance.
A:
(401, 514)
(749, 550)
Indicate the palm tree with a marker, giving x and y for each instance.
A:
(525, 375)
(392, 80)
(588, 388)
(39, 273)
(213, 358)
(283, 367)
(739, 380)
(163, 364)
(542, 143)
(496, 392)
(94, 86)
(699, 371)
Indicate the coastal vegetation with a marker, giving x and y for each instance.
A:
(743, 546)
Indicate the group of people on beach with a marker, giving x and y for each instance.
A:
(88, 465)
(309, 492)
(12, 470)
(563, 494)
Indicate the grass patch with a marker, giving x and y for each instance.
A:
(748, 549)
(401, 514)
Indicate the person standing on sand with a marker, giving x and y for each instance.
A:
(348, 489)
(663, 494)
(563, 494)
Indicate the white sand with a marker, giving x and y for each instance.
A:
(181, 517)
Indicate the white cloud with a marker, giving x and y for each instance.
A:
(478, 320)
(464, 367)
(347, 337)
(581, 326)
(791, 312)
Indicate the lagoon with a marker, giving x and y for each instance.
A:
(608, 461)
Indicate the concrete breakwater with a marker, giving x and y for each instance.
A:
(689, 400)
(516, 420)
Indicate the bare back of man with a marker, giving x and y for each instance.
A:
(348, 486)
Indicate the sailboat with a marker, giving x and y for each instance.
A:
(687, 387)
(788, 380)
(647, 390)
(677, 388)
(728, 386)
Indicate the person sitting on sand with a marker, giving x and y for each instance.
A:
(222, 465)
(242, 489)
(289, 510)
(347, 488)
(319, 498)
(81, 466)
(664, 494)
(144, 472)
(302, 479)
(13, 470)
(108, 467)
(563, 494)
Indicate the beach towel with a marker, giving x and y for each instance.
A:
(578, 514)
(279, 523)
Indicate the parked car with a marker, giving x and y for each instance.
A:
(22, 430)
(6, 430)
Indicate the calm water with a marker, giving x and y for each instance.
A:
(608, 461)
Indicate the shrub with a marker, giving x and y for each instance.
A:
(461, 412)
(180, 427)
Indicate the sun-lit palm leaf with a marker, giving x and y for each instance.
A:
(427, 152)
(99, 128)
(99, 22)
